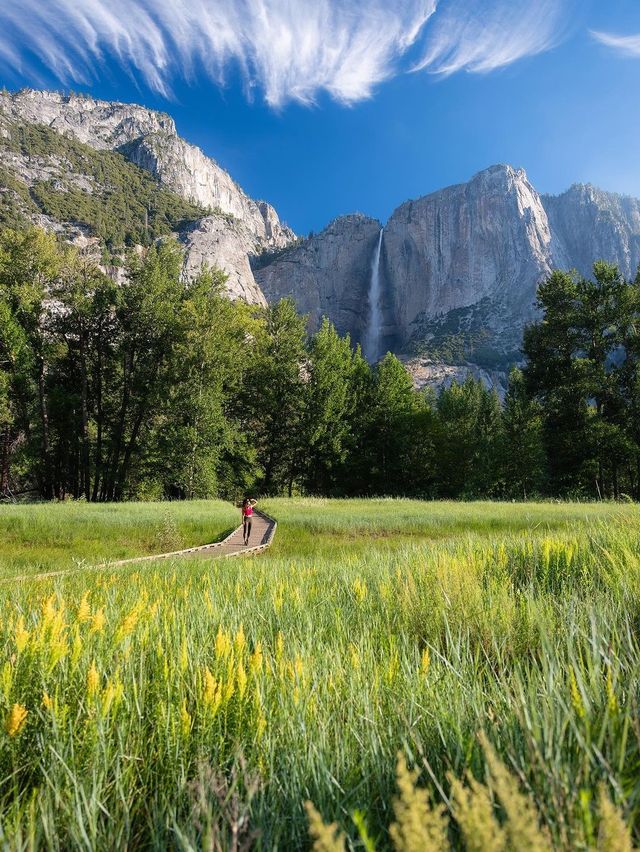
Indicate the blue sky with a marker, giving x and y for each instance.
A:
(326, 107)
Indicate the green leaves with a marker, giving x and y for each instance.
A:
(583, 368)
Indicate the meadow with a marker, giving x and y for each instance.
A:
(199, 704)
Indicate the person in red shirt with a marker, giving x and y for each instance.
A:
(247, 517)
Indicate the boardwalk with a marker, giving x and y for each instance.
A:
(262, 533)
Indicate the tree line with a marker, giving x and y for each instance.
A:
(153, 388)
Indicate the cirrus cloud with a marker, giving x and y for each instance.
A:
(476, 36)
(290, 50)
(629, 45)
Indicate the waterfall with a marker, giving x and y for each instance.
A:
(371, 343)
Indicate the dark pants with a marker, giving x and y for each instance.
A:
(247, 528)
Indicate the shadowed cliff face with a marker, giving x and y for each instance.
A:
(328, 275)
(591, 225)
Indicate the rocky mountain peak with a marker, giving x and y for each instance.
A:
(101, 124)
(239, 227)
(459, 268)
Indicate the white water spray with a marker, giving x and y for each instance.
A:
(371, 344)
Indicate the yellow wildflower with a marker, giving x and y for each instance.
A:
(185, 718)
(129, 624)
(261, 726)
(576, 697)
(425, 662)
(49, 610)
(58, 649)
(229, 690)
(212, 694)
(76, 650)
(93, 679)
(240, 640)
(241, 679)
(223, 644)
(21, 635)
(47, 701)
(16, 719)
(98, 621)
(255, 660)
(111, 695)
(359, 589)
(394, 666)
(84, 610)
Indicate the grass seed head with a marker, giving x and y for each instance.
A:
(613, 835)
(16, 720)
(419, 826)
(473, 810)
(326, 838)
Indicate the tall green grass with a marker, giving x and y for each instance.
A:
(58, 536)
(167, 704)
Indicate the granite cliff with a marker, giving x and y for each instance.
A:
(236, 226)
(459, 268)
(456, 271)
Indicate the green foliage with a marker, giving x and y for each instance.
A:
(115, 200)
(175, 702)
(462, 335)
(159, 388)
(584, 369)
(524, 453)
(274, 396)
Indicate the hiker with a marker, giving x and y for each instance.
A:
(247, 517)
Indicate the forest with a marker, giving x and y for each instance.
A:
(156, 388)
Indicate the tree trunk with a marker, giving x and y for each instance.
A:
(85, 472)
(4, 462)
(114, 461)
(99, 420)
(143, 410)
(126, 461)
(47, 485)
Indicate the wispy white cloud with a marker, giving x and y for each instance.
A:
(476, 36)
(287, 49)
(629, 45)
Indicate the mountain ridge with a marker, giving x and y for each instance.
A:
(237, 225)
(461, 265)
(457, 268)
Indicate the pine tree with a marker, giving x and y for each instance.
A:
(524, 462)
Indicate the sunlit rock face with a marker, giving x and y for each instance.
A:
(488, 239)
(459, 267)
(243, 228)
